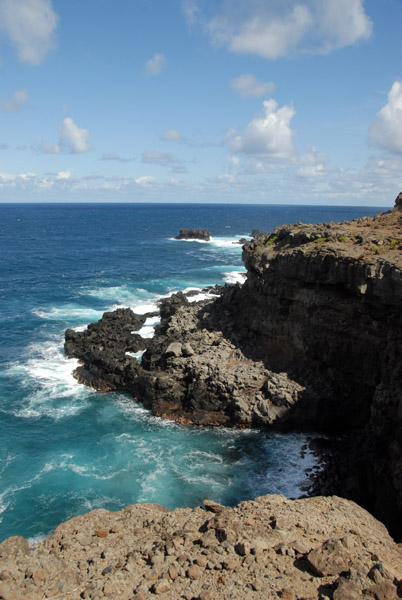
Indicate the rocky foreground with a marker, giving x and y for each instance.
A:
(268, 548)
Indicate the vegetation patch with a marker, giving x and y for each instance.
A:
(271, 240)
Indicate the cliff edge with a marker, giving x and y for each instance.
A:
(265, 549)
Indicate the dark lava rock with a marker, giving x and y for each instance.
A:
(194, 234)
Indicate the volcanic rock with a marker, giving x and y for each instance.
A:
(194, 234)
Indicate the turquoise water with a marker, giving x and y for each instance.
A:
(66, 449)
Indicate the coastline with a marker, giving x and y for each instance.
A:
(318, 256)
(236, 361)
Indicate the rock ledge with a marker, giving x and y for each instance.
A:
(267, 548)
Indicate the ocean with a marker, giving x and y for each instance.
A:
(66, 449)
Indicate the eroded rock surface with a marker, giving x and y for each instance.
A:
(264, 549)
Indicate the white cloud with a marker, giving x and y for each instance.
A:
(172, 135)
(311, 171)
(272, 37)
(248, 86)
(386, 133)
(341, 23)
(47, 148)
(114, 156)
(6, 177)
(156, 64)
(30, 26)
(73, 136)
(63, 175)
(190, 10)
(145, 180)
(163, 159)
(312, 163)
(268, 134)
(277, 28)
(17, 102)
(73, 139)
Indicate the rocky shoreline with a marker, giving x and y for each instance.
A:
(311, 341)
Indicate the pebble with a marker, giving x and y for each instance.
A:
(194, 572)
(101, 533)
(161, 586)
(172, 571)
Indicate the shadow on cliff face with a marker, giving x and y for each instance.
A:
(345, 352)
(333, 400)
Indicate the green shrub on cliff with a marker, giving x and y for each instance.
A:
(271, 240)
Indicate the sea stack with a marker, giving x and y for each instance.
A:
(194, 234)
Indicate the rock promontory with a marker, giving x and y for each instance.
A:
(194, 234)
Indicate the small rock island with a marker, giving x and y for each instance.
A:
(194, 234)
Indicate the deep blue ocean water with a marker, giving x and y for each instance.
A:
(66, 449)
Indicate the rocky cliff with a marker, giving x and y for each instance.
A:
(312, 340)
(323, 304)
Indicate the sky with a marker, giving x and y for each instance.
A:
(212, 101)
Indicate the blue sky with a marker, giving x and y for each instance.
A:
(245, 101)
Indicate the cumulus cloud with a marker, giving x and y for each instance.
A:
(248, 86)
(17, 102)
(30, 26)
(114, 156)
(155, 65)
(73, 136)
(276, 28)
(268, 134)
(73, 139)
(386, 133)
(312, 163)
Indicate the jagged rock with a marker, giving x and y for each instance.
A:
(194, 234)
(398, 202)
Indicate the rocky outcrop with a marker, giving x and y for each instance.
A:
(193, 371)
(194, 234)
(264, 549)
(102, 349)
(312, 340)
